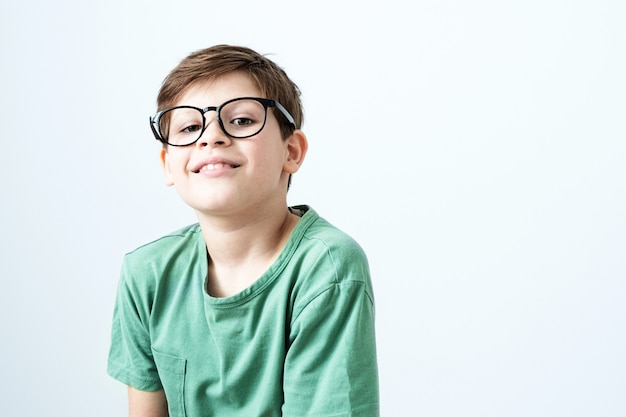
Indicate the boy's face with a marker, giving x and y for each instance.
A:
(219, 175)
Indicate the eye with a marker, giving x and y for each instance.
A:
(185, 121)
(242, 121)
(242, 117)
(191, 128)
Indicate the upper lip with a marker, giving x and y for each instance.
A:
(198, 166)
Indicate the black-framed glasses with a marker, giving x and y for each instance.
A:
(238, 118)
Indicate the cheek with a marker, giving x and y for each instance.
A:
(177, 163)
(268, 156)
(275, 160)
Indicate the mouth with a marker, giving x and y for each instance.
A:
(215, 167)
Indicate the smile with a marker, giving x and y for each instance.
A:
(216, 167)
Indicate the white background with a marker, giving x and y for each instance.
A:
(476, 150)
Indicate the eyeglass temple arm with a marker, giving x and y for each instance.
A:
(285, 113)
(156, 134)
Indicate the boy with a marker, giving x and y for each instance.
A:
(258, 309)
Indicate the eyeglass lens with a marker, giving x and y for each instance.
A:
(239, 119)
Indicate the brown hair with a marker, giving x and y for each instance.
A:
(211, 63)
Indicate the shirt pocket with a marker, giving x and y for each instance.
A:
(172, 370)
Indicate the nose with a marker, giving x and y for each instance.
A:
(213, 135)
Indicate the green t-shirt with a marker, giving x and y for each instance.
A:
(298, 342)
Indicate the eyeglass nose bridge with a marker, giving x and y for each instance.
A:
(211, 108)
(206, 122)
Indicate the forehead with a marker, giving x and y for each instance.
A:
(218, 90)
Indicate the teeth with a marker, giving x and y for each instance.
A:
(211, 167)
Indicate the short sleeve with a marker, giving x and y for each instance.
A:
(330, 366)
(130, 355)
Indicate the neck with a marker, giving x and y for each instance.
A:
(233, 239)
(241, 247)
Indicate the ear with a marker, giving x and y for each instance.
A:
(169, 181)
(297, 145)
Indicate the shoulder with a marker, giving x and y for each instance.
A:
(324, 234)
(326, 258)
(177, 237)
(169, 244)
(173, 251)
(327, 243)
